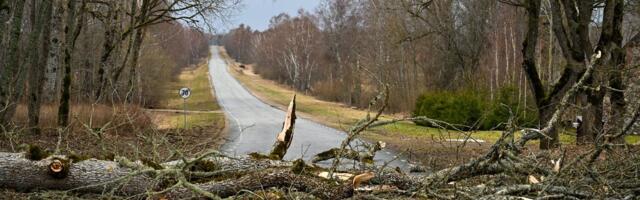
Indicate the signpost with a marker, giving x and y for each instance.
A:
(185, 93)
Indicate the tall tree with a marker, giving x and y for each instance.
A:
(73, 25)
(54, 57)
(39, 44)
(11, 67)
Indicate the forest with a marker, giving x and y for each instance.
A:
(504, 99)
(472, 57)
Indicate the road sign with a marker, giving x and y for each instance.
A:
(185, 92)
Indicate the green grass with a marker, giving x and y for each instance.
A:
(201, 99)
(201, 96)
(342, 117)
(632, 139)
(196, 120)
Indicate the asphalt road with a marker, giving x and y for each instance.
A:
(255, 124)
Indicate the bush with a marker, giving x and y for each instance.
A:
(471, 110)
(459, 108)
(505, 105)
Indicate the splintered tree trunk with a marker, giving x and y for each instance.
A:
(11, 66)
(283, 141)
(38, 60)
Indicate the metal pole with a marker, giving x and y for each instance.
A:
(184, 101)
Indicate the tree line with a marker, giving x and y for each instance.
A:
(538, 48)
(67, 52)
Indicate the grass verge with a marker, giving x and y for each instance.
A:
(419, 142)
(202, 99)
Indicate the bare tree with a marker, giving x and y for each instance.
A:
(39, 43)
(11, 67)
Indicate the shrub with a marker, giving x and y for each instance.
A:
(505, 105)
(472, 110)
(459, 108)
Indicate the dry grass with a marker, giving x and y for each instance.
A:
(196, 78)
(88, 115)
(421, 144)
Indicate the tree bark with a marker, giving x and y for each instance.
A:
(4, 17)
(108, 46)
(71, 31)
(11, 66)
(17, 171)
(56, 40)
(611, 41)
(92, 176)
(37, 61)
(137, 46)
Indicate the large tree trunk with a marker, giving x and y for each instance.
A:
(612, 33)
(11, 66)
(129, 178)
(545, 113)
(71, 32)
(108, 46)
(56, 40)
(38, 61)
(92, 176)
(133, 68)
(137, 46)
(591, 123)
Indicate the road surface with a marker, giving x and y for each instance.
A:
(255, 124)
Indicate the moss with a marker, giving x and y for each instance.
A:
(75, 157)
(151, 164)
(108, 156)
(36, 153)
(205, 166)
(298, 166)
(258, 156)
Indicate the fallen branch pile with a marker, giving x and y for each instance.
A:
(506, 171)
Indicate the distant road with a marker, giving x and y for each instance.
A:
(254, 124)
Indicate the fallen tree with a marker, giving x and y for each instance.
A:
(506, 171)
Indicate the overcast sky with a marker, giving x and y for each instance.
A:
(257, 13)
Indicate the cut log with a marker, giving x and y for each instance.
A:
(133, 178)
(284, 138)
(59, 173)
